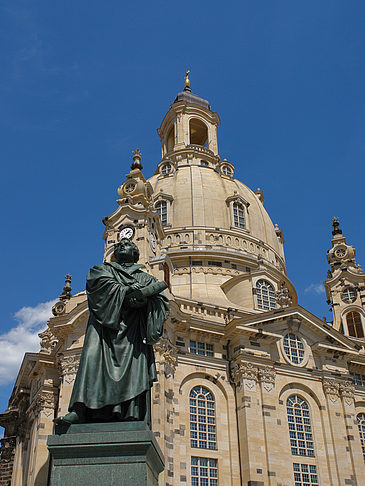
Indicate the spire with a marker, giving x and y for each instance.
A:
(137, 156)
(341, 255)
(60, 306)
(336, 227)
(187, 81)
(66, 294)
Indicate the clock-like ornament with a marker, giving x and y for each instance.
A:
(340, 253)
(128, 188)
(127, 232)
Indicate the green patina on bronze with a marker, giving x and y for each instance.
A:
(117, 367)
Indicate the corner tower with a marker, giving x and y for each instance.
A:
(345, 286)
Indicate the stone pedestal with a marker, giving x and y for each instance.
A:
(110, 454)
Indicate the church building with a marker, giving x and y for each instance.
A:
(252, 388)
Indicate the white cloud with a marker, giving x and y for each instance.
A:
(315, 288)
(22, 338)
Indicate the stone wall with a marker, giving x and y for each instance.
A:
(7, 453)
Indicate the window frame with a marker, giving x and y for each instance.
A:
(162, 204)
(239, 201)
(195, 465)
(202, 419)
(361, 323)
(206, 348)
(300, 426)
(361, 429)
(349, 289)
(312, 470)
(263, 279)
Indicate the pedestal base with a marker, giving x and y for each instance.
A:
(110, 454)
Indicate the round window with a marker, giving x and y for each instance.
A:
(227, 171)
(293, 348)
(349, 295)
(166, 169)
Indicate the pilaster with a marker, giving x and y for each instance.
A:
(347, 392)
(271, 436)
(339, 455)
(42, 411)
(251, 427)
(163, 405)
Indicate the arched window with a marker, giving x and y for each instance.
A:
(238, 215)
(161, 208)
(170, 142)
(202, 419)
(300, 429)
(360, 420)
(265, 295)
(354, 324)
(198, 132)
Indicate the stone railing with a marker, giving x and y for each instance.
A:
(200, 148)
(206, 239)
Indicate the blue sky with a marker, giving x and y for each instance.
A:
(84, 83)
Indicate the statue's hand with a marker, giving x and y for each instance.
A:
(133, 287)
(135, 302)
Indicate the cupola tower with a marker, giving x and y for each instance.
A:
(345, 286)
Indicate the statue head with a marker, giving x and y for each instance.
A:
(126, 251)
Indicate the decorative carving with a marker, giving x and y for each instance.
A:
(8, 445)
(68, 367)
(245, 375)
(331, 389)
(44, 402)
(336, 227)
(48, 341)
(283, 298)
(168, 353)
(66, 294)
(9, 420)
(60, 307)
(347, 391)
(267, 377)
(137, 156)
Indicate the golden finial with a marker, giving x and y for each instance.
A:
(187, 80)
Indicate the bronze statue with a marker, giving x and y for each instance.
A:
(117, 368)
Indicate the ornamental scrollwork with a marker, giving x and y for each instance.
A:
(48, 341)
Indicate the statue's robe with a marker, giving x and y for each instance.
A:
(117, 364)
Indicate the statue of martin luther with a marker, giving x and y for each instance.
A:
(117, 367)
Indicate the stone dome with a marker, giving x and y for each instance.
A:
(199, 195)
(218, 238)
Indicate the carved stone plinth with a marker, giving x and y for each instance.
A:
(111, 454)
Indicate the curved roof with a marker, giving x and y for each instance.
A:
(202, 196)
(190, 97)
